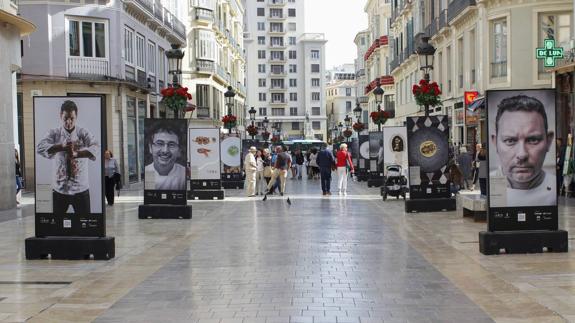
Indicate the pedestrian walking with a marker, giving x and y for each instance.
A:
(313, 166)
(326, 163)
(298, 162)
(482, 173)
(260, 178)
(465, 161)
(250, 167)
(455, 176)
(19, 185)
(344, 167)
(282, 165)
(110, 170)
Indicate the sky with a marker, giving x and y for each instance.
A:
(340, 21)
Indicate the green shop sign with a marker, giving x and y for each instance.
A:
(549, 53)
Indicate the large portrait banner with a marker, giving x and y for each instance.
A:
(68, 166)
(395, 147)
(165, 159)
(428, 155)
(522, 182)
(376, 152)
(204, 152)
(231, 149)
(363, 150)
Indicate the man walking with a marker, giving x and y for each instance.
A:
(250, 166)
(326, 163)
(282, 165)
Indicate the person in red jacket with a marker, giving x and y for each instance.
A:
(344, 166)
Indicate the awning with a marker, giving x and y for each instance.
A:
(23, 25)
(478, 103)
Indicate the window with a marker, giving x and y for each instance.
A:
(277, 84)
(315, 54)
(499, 45)
(277, 69)
(276, 27)
(278, 98)
(315, 111)
(140, 51)
(261, 40)
(261, 12)
(315, 68)
(292, 26)
(553, 26)
(261, 54)
(292, 68)
(315, 82)
(262, 82)
(295, 126)
(293, 111)
(151, 58)
(277, 55)
(263, 111)
(347, 91)
(347, 106)
(278, 112)
(316, 125)
(262, 97)
(261, 68)
(87, 38)
(292, 40)
(292, 54)
(291, 12)
(277, 41)
(128, 46)
(460, 57)
(292, 82)
(293, 96)
(203, 97)
(132, 126)
(161, 65)
(315, 96)
(261, 26)
(276, 13)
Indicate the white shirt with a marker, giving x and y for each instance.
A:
(69, 176)
(175, 180)
(250, 163)
(260, 164)
(542, 195)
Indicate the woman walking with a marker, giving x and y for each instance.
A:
(343, 163)
(19, 185)
(110, 168)
(260, 179)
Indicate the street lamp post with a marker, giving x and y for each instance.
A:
(266, 122)
(357, 111)
(378, 93)
(229, 95)
(340, 129)
(252, 113)
(426, 53)
(175, 56)
(347, 121)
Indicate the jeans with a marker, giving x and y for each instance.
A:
(298, 170)
(80, 202)
(325, 179)
(342, 178)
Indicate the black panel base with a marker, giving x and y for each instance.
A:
(375, 182)
(478, 216)
(158, 211)
(233, 184)
(207, 194)
(492, 243)
(70, 248)
(430, 205)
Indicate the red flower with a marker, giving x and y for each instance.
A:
(422, 82)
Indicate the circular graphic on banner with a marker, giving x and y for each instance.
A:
(430, 151)
(396, 143)
(364, 150)
(231, 151)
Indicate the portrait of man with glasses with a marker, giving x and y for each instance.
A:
(166, 145)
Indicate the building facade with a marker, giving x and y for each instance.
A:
(13, 28)
(341, 97)
(285, 69)
(215, 59)
(362, 44)
(111, 49)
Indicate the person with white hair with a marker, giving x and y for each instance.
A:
(250, 166)
(344, 166)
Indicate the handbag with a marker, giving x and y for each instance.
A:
(118, 180)
(268, 171)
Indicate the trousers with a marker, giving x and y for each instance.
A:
(325, 173)
(250, 183)
(282, 174)
(110, 184)
(80, 202)
(342, 178)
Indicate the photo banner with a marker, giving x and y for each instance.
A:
(354, 151)
(376, 152)
(395, 147)
(363, 150)
(165, 160)
(522, 173)
(231, 150)
(428, 154)
(204, 153)
(68, 166)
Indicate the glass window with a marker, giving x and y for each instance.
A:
(132, 139)
(293, 96)
(262, 82)
(316, 125)
(261, 68)
(140, 48)
(347, 91)
(87, 38)
(315, 96)
(261, 54)
(100, 39)
(315, 82)
(261, 12)
(161, 63)
(141, 117)
(261, 26)
(499, 45)
(291, 12)
(295, 126)
(262, 97)
(347, 106)
(315, 54)
(129, 45)
(292, 82)
(292, 40)
(315, 111)
(555, 26)
(263, 112)
(278, 112)
(292, 26)
(315, 68)
(151, 58)
(74, 38)
(293, 54)
(293, 111)
(293, 68)
(261, 40)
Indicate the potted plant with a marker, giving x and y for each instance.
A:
(252, 130)
(426, 94)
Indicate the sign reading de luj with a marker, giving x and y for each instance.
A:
(549, 53)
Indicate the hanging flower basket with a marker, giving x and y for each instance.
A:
(275, 139)
(379, 117)
(347, 133)
(358, 127)
(252, 130)
(426, 94)
(339, 139)
(265, 135)
(175, 98)
(229, 121)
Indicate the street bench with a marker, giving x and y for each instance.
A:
(474, 205)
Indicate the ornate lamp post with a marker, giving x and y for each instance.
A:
(266, 122)
(340, 129)
(425, 52)
(347, 121)
(175, 56)
(252, 113)
(229, 96)
(172, 96)
(357, 111)
(378, 93)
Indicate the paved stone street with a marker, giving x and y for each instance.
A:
(322, 259)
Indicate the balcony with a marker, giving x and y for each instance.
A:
(278, 102)
(88, 68)
(204, 66)
(277, 17)
(202, 112)
(277, 31)
(277, 46)
(204, 15)
(276, 3)
(442, 20)
(279, 60)
(158, 16)
(281, 88)
(456, 7)
(278, 73)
